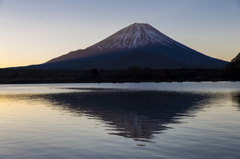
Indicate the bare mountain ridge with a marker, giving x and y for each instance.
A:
(136, 38)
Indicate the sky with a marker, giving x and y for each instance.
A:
(35, 31)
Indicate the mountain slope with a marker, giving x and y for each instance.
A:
(141, 59)
(137, 37)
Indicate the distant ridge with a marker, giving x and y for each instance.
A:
(138, 44)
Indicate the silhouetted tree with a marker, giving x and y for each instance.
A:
(95, 72)
(232, 69)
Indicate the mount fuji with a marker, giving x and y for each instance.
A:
(136, 45)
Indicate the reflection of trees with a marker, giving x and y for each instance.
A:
(236, 99)
(137, 115)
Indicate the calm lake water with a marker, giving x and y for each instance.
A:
(112, 121)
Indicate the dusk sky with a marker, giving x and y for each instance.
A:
(35, 31)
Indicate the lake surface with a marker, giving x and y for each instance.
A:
(131, 120)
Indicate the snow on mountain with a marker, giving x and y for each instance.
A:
(133, 36)
(133, 40)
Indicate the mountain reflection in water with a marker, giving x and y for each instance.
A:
(120, 121)
(136, 115)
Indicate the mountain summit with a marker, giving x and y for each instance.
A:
(133, 36)
(134, 45)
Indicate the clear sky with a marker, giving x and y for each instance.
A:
(35, 31)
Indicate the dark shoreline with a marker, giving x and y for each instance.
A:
(131, 74)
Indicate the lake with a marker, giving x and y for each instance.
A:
(124, 120)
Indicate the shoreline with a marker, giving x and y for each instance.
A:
(132, 74)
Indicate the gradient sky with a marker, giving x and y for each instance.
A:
(35, 31)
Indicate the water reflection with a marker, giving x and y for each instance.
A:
(130, 114)
(136, 115)
(102, 123)
(236, 98)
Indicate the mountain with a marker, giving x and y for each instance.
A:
(141, 59)
(232, 69)
(138, 44)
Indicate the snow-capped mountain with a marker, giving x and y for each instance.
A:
(133, 36)
(124, 44)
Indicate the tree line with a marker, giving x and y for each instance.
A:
(131, 74)
(232, 69)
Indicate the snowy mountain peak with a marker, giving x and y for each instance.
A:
(133, 36)
(138, 44)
